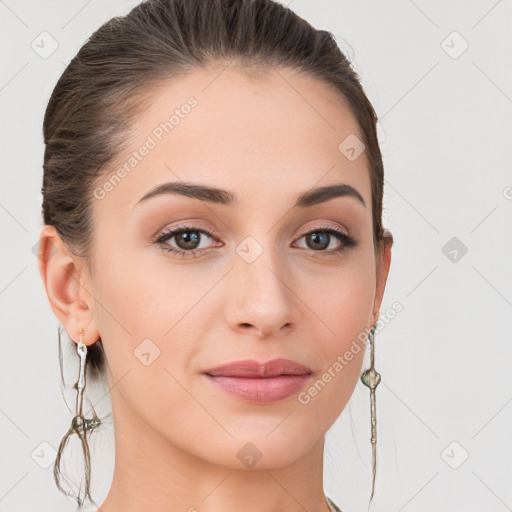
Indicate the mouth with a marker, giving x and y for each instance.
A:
(252, 369)
(260, 382)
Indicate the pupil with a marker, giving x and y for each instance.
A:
(183, 237)
(317, 236)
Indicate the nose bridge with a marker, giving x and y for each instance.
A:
(263, 298)
(261, 261)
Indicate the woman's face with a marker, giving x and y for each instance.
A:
(266, 283)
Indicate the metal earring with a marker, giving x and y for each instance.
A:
(79, 421)
(79, 424)
(371, 379)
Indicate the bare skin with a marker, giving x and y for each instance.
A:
(177, 435)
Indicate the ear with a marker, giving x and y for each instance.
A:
(67, 282)
(382, 265)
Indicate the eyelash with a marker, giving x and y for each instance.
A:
(347, 241)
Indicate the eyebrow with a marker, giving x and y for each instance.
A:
(224, 197)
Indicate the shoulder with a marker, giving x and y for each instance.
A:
(333, 505)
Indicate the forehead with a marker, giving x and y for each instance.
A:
(242, 129)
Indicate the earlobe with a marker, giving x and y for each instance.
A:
(60, 272)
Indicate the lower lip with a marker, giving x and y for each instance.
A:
(261, 390)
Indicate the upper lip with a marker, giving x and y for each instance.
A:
(251, 368)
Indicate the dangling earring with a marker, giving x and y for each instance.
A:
(371, 379)
(79, 424)
(79, 420)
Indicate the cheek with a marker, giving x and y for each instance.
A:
(342, 303)
(135, 299)
(129, 309)
(342, 300)
(342, 358)
(343, 308)
(138, 307)
(148, 312)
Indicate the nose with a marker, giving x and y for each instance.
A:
(262, 298)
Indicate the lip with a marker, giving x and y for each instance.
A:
(260, 382)
(253, 369)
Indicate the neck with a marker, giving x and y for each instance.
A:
(152, 473)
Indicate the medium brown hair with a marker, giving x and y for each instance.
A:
(108, 83)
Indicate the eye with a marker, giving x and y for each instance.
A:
(320, 238)
(187, 239)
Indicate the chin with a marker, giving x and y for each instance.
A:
(258, 450)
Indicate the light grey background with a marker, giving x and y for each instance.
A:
(445, 359)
